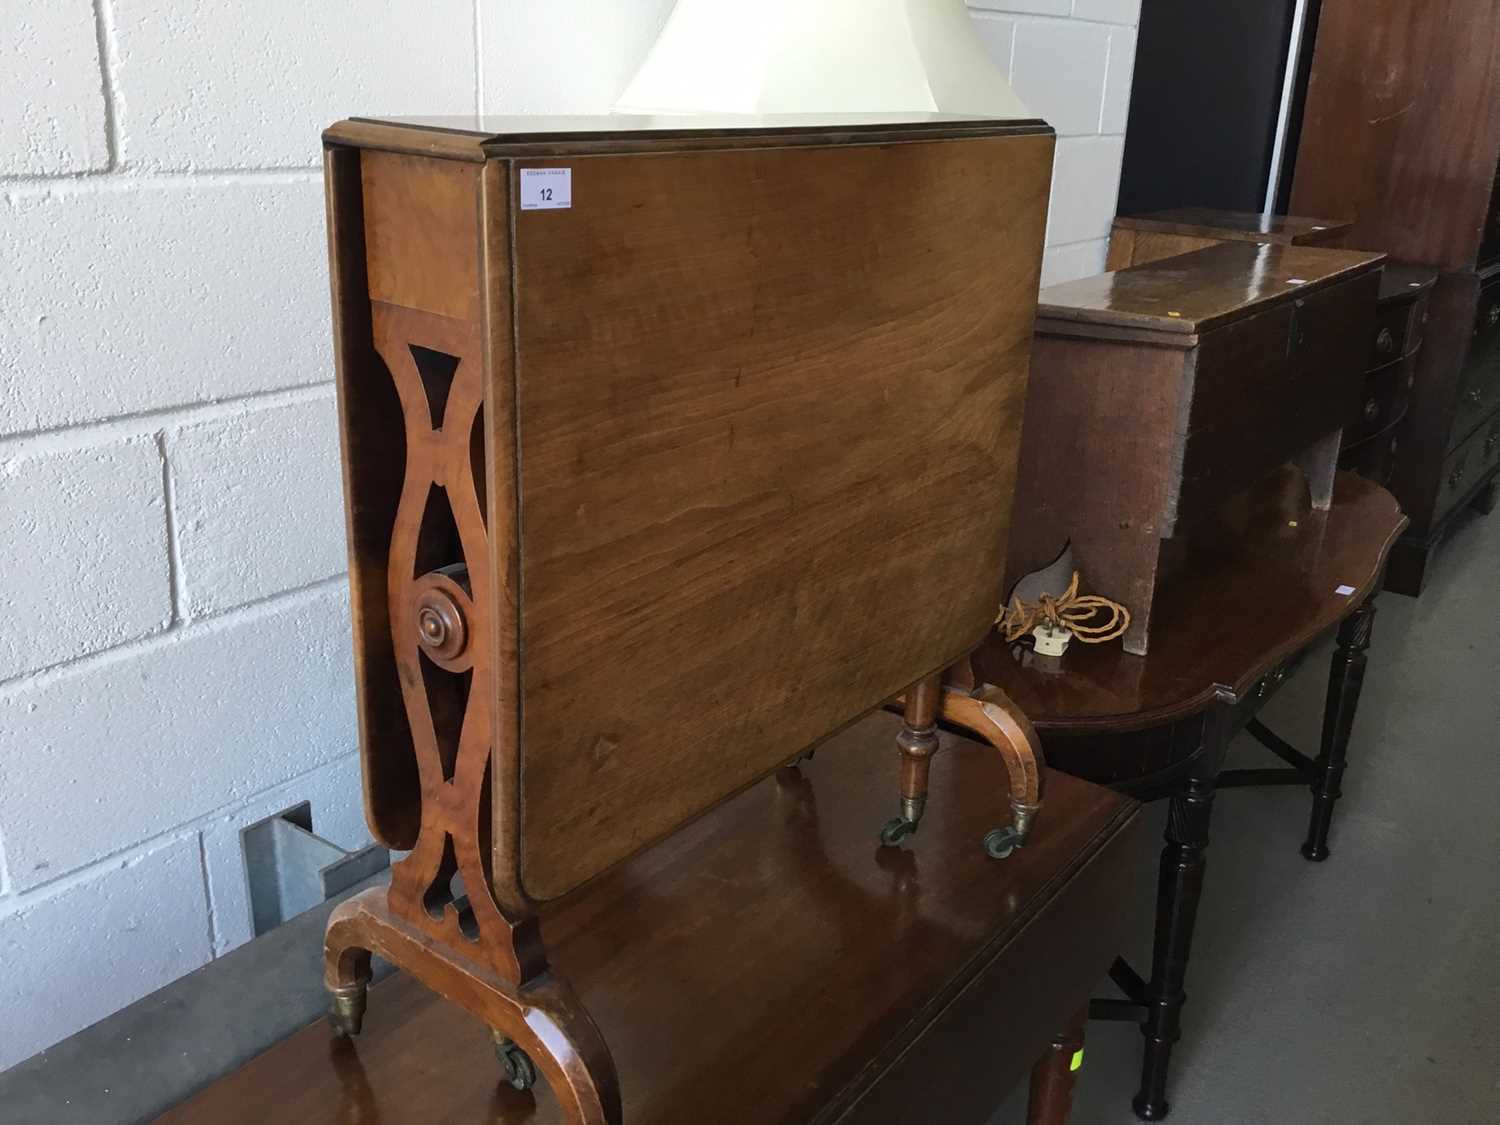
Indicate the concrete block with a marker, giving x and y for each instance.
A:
(998, 35)
(1085, 186)
(1118, 81)
(74, 956)
(337, 814)
(1069, 263)
(52, 118)
(565, 56)
(98, 757)
(137, 298)
(1108, 11)
(257, 503)
(219, 86)
(1058, 70)
(1030, 7)
(85, 543)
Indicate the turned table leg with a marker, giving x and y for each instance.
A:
(1179, 888)
(1345, 678)
(1055, 1074)
(917, 742)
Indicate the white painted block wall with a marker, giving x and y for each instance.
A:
(174, 655)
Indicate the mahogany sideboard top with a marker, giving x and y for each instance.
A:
(1268, 575)
(771, 965)
(1137, 239)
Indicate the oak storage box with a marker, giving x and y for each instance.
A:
(1159, 392)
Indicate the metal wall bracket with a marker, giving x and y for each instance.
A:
(289, 869)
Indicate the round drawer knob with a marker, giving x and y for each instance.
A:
(1490, 443)
(1456, 477)
(1492, 317)
(1475, 395)
(1372, 409)
(1385, 343)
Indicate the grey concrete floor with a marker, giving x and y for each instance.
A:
(1365, 989)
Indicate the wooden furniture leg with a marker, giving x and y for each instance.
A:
(917, 743)
(1345, 678)
(1179, 888)
(988, 713)
(1055, 1074)
(538, 1026)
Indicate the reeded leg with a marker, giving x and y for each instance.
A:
(1055, 1074)
(1179, 888)
(1345, 678)
(918, 742)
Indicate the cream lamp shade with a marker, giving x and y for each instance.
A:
(820, 56)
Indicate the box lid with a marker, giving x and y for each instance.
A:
(1176, 299)
(1243, 226)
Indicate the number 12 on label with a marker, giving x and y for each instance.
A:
(546, 189)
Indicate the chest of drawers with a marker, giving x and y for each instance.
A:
(1373, 442)
(1160, 391)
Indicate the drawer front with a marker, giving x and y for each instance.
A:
(1479, 388)
(1398, 328)
(1387, 391)
(1466, 466)
(1375, 457)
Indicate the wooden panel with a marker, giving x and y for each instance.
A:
(769, 965)
(1402, 125)
(1267, 388)
(1096, 463)
(372, 442)
(421, 225)
(769, 410)
(1238, 226)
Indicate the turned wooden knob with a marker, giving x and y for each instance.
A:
(441, 610)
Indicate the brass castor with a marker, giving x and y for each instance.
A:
(346, 1009)
(896, 830)
(1000, 842)
(520, 1071)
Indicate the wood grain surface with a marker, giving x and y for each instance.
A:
(1193, 293)
(771, 964)
(768, 406)
(1261, 582)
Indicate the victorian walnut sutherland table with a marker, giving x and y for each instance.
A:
(1269, 578)
(671, 448)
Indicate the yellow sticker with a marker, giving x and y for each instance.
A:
(1077, 1060)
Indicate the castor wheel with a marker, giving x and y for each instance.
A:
(1000, 842)
(896, 830)
(520, 1071)
(346, 1009)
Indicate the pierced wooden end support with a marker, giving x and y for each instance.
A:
(988, 713)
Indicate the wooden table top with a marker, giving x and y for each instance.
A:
(1193, 293)
(767, 962)
(1251, 226)
(1264, 582)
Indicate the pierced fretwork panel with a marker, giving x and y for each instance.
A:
(438, 576)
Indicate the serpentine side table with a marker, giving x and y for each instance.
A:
(770, 964)
(1271, 579)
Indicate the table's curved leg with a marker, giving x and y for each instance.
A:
(992, 716)
(539, 1028)
(1346, 677)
